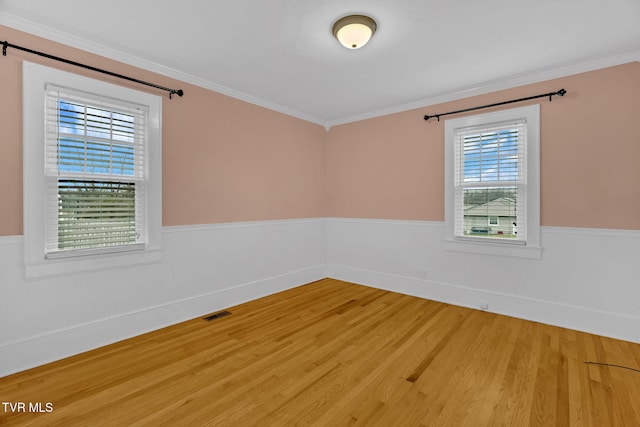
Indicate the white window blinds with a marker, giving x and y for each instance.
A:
(490, 181)
(95, 171)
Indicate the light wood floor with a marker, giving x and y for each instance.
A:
(333, 353)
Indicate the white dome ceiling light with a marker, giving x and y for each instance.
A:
(354, 31)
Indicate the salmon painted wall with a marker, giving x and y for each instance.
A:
(224, 160)
(392, 167)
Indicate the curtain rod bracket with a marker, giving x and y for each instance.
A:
(5, 44)
(178, 92)
(561, 92)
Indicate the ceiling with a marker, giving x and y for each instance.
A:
(281, 53)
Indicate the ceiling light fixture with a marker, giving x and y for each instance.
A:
(354, 31)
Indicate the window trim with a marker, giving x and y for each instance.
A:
(35, 78)
(531, 247)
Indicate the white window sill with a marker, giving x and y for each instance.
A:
(494, 248)
(89, 263)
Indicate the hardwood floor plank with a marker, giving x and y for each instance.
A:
(332, 353)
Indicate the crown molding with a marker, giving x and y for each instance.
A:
(27, 26)
(21, 24)
(497, 85)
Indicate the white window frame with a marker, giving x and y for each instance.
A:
(35, 78)
(502, 247)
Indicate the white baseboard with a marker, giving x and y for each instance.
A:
(548, 312)
(44, 348)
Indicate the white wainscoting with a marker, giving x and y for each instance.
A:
(203, 269)
(587, 279)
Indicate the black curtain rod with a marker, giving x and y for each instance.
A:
(561, 92)
(6, 44)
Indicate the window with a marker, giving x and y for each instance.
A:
(492, 194)
(95, 172)
(93, 150)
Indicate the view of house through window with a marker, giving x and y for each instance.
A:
(491, 212)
